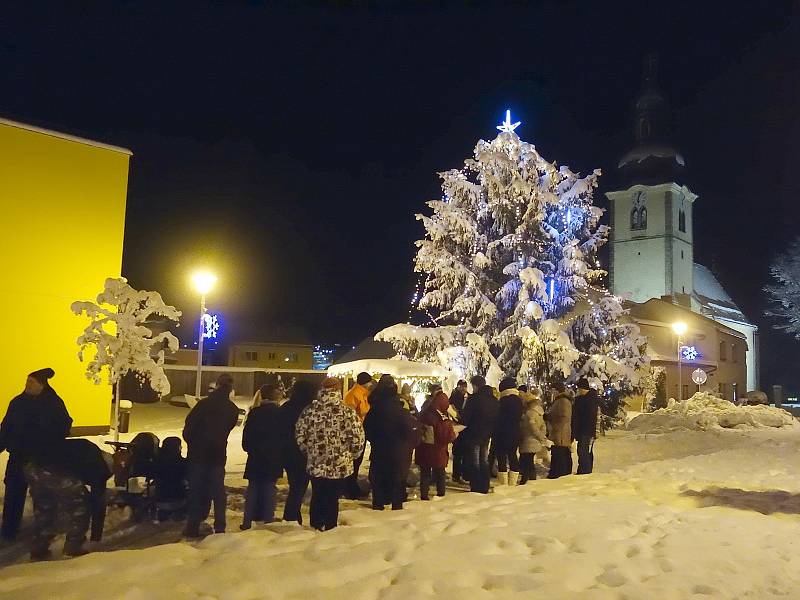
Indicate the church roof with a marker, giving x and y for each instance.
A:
(652, 158)
(713, 299)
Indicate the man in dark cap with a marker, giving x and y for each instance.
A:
(206, 432)
(35, 421)
(59, 480)
(584, 424)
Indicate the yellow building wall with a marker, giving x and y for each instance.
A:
(61, 233)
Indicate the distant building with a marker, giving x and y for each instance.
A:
(63, 200)
(267, 355)
(652, 245)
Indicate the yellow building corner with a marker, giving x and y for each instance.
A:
(61, 235)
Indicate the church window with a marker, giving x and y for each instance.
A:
(682, 221)
(644, 128)
(639, 212)
(723, 351)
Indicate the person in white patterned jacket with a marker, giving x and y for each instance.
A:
(331, 435)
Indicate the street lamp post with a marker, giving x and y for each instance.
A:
(203, 283)
(680, 329)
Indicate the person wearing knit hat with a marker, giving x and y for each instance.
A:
(36, 421)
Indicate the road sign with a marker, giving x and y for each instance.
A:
(699, 376)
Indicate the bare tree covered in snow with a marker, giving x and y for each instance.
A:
(118, 338)
(784, 294)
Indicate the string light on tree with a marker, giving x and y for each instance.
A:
(512, 275)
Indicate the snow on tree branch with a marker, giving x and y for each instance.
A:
(510, 258)
(784, 294)
(119, 338)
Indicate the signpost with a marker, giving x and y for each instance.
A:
(699, 377)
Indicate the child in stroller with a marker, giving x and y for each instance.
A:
(170, 475)
(133, 473)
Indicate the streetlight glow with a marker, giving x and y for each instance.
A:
(679, 327)
(204, 281)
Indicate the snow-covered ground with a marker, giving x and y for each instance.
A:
(677, 515)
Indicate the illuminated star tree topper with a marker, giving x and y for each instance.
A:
(507, 126)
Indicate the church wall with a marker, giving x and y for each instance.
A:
(636, 268)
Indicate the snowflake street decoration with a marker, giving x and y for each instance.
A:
(507, 126)
(689, 353)
(210, 326)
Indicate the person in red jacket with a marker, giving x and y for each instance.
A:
(431, 454)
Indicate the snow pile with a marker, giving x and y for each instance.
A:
(685, 515)
(705, 411)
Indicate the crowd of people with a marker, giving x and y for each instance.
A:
(317, 436)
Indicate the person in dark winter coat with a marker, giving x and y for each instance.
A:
(393, 433)
(479, 416)
(331, 435)
(294, 461)
(170, 478)
(559, 419)
(457, 399)
(263, 441)
(35, 421)
(431, 454)
(206, 432)
(584, 425)
(507, 432)
(58, 479)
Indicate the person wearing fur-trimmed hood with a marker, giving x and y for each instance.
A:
(507, 432)
(533, 433)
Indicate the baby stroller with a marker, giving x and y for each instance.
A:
(134, 473)
(170, 478)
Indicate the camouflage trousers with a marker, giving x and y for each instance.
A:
(51, 491)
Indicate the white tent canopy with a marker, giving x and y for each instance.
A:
(398, 368)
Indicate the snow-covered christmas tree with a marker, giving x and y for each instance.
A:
(511, 278)
(120, 340)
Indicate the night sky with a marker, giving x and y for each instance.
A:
(289, 146)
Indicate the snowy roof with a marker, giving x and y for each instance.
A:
(712, 297)
(395, 367)
(368, 348)
(643, 152)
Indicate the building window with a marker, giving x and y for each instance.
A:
(723, 351)
(251, 356)
(685, 392)
(271, 356)
(682, 221)
(734, 354)
(721, 390)
(639, 211)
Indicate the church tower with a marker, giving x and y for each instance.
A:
(651, 218)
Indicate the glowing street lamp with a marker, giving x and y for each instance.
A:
(679, 327)
(203, 282)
